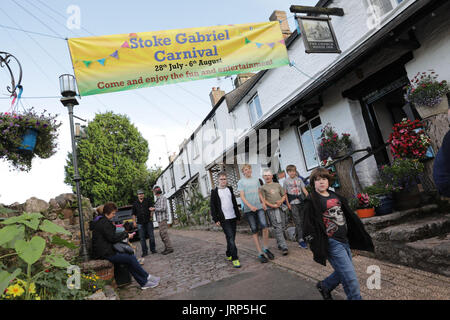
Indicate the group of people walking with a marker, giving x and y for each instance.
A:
(323, 221)
(105, 235)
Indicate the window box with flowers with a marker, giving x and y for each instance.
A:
(364, 205)
(428, 94)
(19, 152)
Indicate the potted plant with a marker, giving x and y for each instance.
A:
(364, 205)
(401, 178)
(331, 145)
(408, 140)
(18, 149)
(428, 94)
(384, 195)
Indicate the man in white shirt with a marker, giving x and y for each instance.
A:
(225, 213)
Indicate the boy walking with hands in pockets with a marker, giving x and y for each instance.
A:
(249, 189)
(296, 192)
(274, 196)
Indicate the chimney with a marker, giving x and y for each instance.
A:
(278, 15)
(215, 95)
(241, 78)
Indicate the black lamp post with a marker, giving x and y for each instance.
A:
(68, 91)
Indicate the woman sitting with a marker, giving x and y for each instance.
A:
(104, 236)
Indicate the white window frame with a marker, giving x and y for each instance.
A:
(249, 104)
(183, 170)
(215, 128)
(394, 4)
(195, 150)
(172, 177)
(207, 185)
(316, 154)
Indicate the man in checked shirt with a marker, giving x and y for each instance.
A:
(162, 216)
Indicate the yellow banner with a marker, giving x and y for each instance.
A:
(130, 61)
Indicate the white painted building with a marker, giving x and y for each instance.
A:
(358, 91)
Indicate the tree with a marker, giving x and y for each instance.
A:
(111, 160)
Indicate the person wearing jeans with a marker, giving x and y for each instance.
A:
(295, 189)
(331, 228)
(274, 195)
(254, 206)
(144, 230)
(340, 258)
(141, 212)
(104, 236)
(225, 213)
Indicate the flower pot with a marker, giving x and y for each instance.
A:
(28, 140)
(426, 111)
(407, 199)
(386, 205)
(366, 213)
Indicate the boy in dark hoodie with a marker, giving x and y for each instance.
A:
(331, 228)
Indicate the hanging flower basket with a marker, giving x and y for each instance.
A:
(428, 94)
(29, 140)
(426, 111)
(26, 135)
(331, 145)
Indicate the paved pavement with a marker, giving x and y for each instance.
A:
(197, 270)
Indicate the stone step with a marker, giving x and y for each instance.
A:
(429, 254)
(414, 230)
(380, 222)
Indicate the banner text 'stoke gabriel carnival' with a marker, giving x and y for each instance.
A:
(130, 61)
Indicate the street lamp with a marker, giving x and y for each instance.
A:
(68, 91)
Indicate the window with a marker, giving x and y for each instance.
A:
(381, 7)
(215, 129)
(310, 138)
(183, 171)
(195, 151)
(206, 181)
(254, 108)
(172, 177)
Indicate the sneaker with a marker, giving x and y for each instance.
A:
(153, 252)
(228, 258)
(144, 254)
(262, 258)
(284, 252)
(302, 244)
(236, 263)
(326, 295)
(141, 261)
(153, 279)
(149, 284)
(269, 254)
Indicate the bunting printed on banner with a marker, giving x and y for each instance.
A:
(115, 54)
(163, 57)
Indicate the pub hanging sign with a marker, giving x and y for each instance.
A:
(318, 35)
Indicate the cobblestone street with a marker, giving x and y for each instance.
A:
(198, 261)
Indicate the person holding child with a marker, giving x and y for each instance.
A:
(332, 228)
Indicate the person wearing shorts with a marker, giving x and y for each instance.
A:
(254, 207)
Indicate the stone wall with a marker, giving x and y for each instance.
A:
(63, 211)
